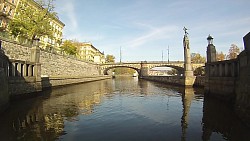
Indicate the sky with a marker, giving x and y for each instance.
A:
(145, 29)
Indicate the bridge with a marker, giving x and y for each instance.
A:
(178, 65)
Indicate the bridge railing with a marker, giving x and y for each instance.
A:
(227, 68)
(18, 68)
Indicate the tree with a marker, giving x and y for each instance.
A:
(220, 56)
(233, 52)
(110, 58)
(197, 58)
(124, 71)
(33, 21)
(199, 71)
(69, 47)
(172, 72)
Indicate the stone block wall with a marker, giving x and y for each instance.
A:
(242, 103)
(52, 64)
(176, 80)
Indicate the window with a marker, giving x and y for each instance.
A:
(10, 12)
(5, 9)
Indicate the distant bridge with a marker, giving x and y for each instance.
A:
(178, 65)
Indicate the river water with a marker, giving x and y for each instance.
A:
(121, 109)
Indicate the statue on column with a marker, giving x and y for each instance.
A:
(185, 39)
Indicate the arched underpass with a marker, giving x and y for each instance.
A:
(105, 72)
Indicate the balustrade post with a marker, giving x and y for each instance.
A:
(30, 70)
(37, 71)
(35, 52)
(19, 69)
(226, 70)
(25, 69)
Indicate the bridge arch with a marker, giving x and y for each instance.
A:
(105, 71)
(178, 68)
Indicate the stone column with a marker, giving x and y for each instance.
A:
(35, 58)
(211, 57)
(188, 71)
(35, 54)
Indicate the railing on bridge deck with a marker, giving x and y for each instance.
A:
(21, 68)
(146, 62)
(226, 68)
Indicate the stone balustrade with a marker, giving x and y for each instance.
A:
(21, 68)
(227, 68)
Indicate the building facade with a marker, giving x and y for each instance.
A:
(87, 52)
(8, 10)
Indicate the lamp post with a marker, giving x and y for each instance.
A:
(120, 55)
(210, 39)
(211, 51)
(168, 54)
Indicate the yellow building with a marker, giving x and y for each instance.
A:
(86, 51)
(8, 11)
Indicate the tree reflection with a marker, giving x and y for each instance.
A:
(43, 118)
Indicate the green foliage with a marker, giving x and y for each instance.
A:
(197, 58)
(110, 58)
(124, 71)
(172, 72)
(32, 22)
(220, 56)
(233, 52)
(69, 47)
(199, 71)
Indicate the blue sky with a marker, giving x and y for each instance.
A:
(145, 28)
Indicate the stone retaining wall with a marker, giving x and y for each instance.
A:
(60, 81)
(176, 80)
(52, 64)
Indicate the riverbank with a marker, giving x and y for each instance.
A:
(24, 90)
(56, 81)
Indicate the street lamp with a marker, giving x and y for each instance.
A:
(210, 39)
(168, 54)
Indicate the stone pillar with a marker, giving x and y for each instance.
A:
(35, 53)
(4, 90)
(189, 77)
(144, 69)
(242, 103)
(25, 69)
(211, 57)
(30, 70)
(35, 58)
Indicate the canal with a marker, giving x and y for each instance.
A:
(121, 109)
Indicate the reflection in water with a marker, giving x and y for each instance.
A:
(219, 118)
(187, 97)
(124, 108)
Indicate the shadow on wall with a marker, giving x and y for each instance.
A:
(4, 94)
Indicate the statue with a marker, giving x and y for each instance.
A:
(185, 30)
(185, 39)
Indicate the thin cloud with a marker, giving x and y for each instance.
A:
(154, 34)
(68, 10)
